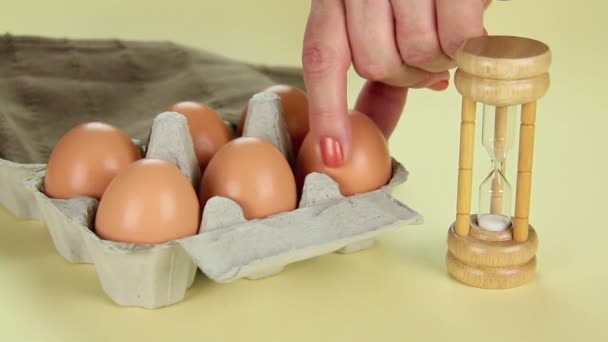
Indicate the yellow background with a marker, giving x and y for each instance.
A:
(398, 289)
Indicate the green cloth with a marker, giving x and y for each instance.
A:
(48, 85)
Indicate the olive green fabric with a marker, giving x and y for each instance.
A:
(48, 85)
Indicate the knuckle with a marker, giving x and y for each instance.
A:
(451, 44)
(371, 70)
(417, 46)
(318, 58)
(417, 56)
(405, 30)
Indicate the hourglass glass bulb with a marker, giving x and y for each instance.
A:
(495, 193)
(495, 202)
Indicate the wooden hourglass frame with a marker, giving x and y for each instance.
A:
(499, 71)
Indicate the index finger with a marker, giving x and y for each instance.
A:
(325, 60)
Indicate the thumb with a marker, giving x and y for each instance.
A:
(383, 103)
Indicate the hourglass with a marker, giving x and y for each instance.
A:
(496, 247)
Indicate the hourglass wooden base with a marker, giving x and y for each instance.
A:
(491, 260)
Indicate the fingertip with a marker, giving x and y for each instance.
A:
(332, 153)
(433, 79)
(332, 138)
(440, 86)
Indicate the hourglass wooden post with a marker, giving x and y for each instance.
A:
(496, 248)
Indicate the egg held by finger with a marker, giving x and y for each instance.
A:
(150, 202)
(367, 168)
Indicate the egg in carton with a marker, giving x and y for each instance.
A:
(227, 247)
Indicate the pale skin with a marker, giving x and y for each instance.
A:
(396, 45)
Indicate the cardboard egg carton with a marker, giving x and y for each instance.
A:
(228, 247)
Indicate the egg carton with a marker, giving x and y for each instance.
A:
(13, 194)
(228, 247)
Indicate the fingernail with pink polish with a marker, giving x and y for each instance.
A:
(331, 152)
(441, 85)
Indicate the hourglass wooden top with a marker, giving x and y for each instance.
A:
(503, 70)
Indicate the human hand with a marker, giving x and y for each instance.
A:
(394, 44)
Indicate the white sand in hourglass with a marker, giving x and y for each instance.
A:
(494, 222)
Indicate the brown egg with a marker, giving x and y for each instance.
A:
(253, 173)
(149, 202)
(368, 167)
(295, 109)
(207, 128)
(86, 159)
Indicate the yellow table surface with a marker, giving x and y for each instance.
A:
(398, 289)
